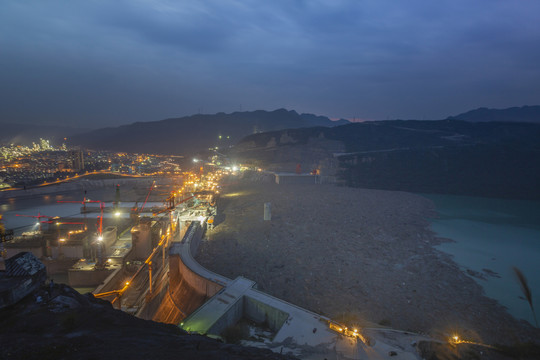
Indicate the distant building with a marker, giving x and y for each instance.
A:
(77, 160)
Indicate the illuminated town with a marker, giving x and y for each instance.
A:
(24, 166)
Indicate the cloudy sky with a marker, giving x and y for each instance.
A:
(101, 62)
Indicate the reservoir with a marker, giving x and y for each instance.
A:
(489, 238)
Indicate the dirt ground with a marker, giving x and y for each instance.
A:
(356, 255)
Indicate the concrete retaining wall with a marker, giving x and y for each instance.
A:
(197, 282)
(68, 251)
(195, 240)
(231, 317)
(260, 312)
(109, 238)
(141, 240)
(37, 251)
(188, 289)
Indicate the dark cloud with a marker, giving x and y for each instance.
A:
(104, 62)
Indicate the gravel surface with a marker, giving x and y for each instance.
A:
(356, 255)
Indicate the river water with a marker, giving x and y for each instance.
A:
(491, 236)
(48, 205)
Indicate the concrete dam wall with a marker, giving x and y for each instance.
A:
(187, 290)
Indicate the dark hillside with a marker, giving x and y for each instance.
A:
(191, 134)
(62, 324)
(513, 114)
(449, 156)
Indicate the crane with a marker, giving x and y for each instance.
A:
(38, 216)
(84, 202)
(147, 195)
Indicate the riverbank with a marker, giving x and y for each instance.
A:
(79, 185)
(363, 256)
(491, 237)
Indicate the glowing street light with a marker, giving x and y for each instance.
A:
(99, 250)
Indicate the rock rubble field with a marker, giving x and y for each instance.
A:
(365, 257)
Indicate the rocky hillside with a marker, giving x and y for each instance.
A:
(493, 159)
(59, 323)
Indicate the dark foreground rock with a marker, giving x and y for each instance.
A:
(59, 323)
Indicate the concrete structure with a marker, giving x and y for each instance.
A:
(67, 251)
(84, 272)
(293, 178)
(295, 330)
(36, 251)
(141, 238)
(109, 238)
(204, 302)
(238, 299)
(44, 247)
(267, 211)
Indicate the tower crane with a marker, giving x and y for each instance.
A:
(38, 216)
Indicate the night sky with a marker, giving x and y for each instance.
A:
(102, 63)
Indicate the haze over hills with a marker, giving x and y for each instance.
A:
(195, 133)
(24, 134)
(198, 132)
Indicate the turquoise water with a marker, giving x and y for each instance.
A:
(494, 234)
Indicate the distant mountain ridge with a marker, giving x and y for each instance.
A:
(513, 114)
(194, 133)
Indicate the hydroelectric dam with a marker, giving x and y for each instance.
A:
(172, 287)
